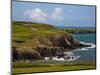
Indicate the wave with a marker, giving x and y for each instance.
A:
(69, 53)
(54, 58)
(70, 56)
(85, 43)
(66, 58)
(92, 45)
(81, 49)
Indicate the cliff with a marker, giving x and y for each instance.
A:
(34, 41)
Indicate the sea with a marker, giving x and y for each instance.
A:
(85, 54)
(79, 55)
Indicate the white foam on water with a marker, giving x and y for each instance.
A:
(54, 58)
(69, 53)
(92, 45)
(47, 58)
(81, 49)
(73, 58)
(59, 59)
(69, 57)
(66, 58)
(62, 59)
(85, 48)
(85, 43)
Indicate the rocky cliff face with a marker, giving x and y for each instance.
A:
(57, 46)
(46, 41)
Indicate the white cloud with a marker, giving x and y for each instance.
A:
(57, 14)
(36, 14)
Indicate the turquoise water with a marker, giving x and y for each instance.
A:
(89, 38)
(86, 54)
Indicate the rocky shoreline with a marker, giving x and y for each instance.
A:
(60, 45)
(35, 41)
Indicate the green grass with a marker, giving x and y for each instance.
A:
(30, 34)
(22, 68)
(50, 68)
(21, 31)
(20, 28)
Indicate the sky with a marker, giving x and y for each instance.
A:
(59, 15)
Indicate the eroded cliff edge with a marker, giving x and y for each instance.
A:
(34, 41)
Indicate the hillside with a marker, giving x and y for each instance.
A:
(34, 41)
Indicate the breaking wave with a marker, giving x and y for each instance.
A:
(92, 45)
(70, 56)
(66, 58)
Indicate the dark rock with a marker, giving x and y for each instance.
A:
(59, 45)
(51, 51)
(25, 55)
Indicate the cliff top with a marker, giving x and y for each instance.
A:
(33, 34)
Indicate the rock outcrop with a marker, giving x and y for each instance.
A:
(59, 45)
(40, 43)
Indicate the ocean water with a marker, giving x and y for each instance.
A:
(87, 53)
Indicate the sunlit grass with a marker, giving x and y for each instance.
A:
(34, 68)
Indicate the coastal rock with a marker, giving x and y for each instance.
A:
(25, 55)
(46, 41)
(51, 51)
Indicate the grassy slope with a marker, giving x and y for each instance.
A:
(28, 33)
(21, 32)
(34, 68)
(50, 69)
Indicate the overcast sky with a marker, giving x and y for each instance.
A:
(55, 14)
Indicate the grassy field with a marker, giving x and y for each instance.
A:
(21, 31)
(22, 68)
